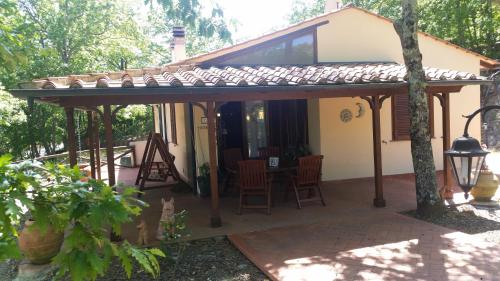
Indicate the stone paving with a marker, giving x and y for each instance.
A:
(348, 239)
(385, 246)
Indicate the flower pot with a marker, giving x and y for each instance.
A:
(38, 247)
(486, 186)
(204, 186)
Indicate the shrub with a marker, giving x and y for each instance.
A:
(86, 209)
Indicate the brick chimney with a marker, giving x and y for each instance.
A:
(332, 5)
(178, 44)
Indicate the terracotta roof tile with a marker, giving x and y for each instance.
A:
(102, 82)
(241, 76)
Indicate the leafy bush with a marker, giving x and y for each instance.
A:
(87, 210)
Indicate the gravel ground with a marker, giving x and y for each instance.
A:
(204, 259)
(483, 222)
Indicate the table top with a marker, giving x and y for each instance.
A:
(279, 169)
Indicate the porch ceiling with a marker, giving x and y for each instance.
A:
(231, 83)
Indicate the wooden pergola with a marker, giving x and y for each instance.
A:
(105, 102)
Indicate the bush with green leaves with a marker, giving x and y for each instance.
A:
(87, 210)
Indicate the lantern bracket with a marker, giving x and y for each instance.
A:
(471, 116)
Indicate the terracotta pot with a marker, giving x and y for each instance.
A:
(39, 248)
(486, 187)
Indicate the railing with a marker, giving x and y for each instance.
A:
(63, 158)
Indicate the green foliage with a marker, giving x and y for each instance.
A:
(472, 24)
(177, 228)
(47, 131)
(87, 210)
(50, 38)
(203, 33)
(133, 122)
(302, 10)
(10, 36)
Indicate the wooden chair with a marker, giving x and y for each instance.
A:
(230, 158)
(270, 151)
(254, 181)
(308, 178)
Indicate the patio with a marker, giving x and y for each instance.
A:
(349, 239)
(345, 200)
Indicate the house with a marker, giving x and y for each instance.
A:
(334, 83)
(352, 37)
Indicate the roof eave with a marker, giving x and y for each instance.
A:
(88, 92)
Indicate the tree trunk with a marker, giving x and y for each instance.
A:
(428, 199)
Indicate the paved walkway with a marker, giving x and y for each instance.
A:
(346, 240)
(383, 246)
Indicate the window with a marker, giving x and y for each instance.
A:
(302, 50)
(290, 49)
(173, 124)
(401, 117)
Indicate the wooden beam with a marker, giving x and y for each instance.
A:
(125, 96)
(90, 139)
(108, 133)
(70, 127)
(448, 189)
(375, 104)
(215, 220)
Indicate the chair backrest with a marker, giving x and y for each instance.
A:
(309, 171)
(231, 156)
(252, 174)
(270, 151)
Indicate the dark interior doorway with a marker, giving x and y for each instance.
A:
(285, 125)
(230, 126)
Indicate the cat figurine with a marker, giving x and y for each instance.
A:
(167, 216)
(142, 238)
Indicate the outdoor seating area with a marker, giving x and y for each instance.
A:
(343, 199)
(268, 174)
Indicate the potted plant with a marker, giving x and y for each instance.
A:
(203, 180)
(295, 152)
(486, 186)
(24, 197)
(60, 203)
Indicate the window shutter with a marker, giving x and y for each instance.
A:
(401, 117)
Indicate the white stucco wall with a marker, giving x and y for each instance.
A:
(179, 150)
(353, 35)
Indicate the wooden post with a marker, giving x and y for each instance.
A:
(377, 153)
(445, 106)
(31, 109)
(70, 127)
(90, 138)
(108, 133)
(97, 145)
(215, 220)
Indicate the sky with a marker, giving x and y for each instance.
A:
(255, 17)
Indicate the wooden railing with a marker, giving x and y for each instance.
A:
(63, 158)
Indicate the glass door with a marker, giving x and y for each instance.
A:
(256, 130)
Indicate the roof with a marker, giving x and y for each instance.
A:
(246, 76)
(315, 21)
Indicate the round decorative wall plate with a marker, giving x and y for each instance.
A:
(345, 115)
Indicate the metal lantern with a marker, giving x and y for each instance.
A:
(467, 156)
